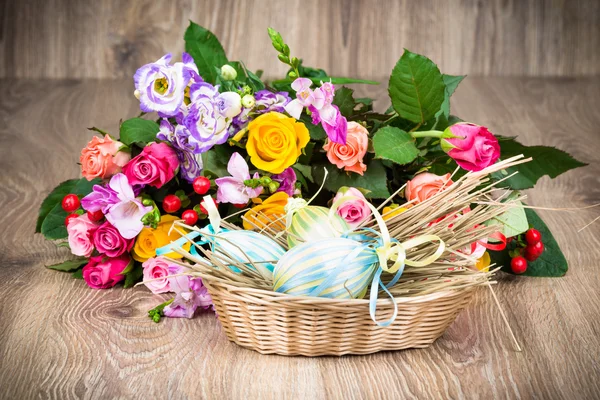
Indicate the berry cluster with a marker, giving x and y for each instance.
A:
(528, 250)
(71, 203)
(173, 203)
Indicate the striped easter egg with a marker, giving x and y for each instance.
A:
(246, 246)
(311, 223)
(336, 268)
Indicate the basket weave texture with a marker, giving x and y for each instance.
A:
(275, 323)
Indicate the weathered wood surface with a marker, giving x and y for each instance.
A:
(59, 339)
(361, 38)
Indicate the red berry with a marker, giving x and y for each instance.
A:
(537, 248)
(240, 206)
(95, 216)
(530, 255)
(70, 203)
(518, 265)
(69, 218)
(171, 203)
(201, 185)
(204, 209)
(190, 217)
(533, 236)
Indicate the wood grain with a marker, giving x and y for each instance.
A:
(359, 38)
(59, 339)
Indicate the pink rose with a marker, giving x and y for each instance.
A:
(155, 166)
(80, 231)
(109, 241)
(425, 185)
(350, 156)
(101, 158)
(158, 269)
(354, 211)
(474, 148)
(103, 273)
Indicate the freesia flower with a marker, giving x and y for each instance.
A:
(127, 211)
(305, 97)
(473, 147)
(103, 273)
(81, 231)
(354, 211)
(161, 86)
(190, 294)
(154, 166)
(232, 188)
(101, 198)
(287, 181)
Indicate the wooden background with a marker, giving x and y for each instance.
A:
(359, 38)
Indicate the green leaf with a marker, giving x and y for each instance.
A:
(546, 161)
(416, 88)
(139, 131)
(69, 265)
(51, 220)
(344, 100)
(206, 50)
(306, 153)
(514, 221)
(374, 180)
(215, 162)
(305, 170)
(316, 132)
(395, 145)
(78, 274)
(451, 82)
(134, 276)
(551, 263)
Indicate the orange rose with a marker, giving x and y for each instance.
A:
(102, 158)
(425, 185)
(270, 213)
(350, 156)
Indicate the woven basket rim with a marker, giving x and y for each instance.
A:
(283, 297)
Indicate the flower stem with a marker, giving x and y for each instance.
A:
(157, 312)
(421, 134)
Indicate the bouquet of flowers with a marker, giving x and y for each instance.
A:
(211, 127)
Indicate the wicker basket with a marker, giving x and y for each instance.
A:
(275, 323)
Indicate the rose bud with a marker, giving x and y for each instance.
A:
(473, 147)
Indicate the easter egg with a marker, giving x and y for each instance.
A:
(255, 250)
(309, 223)
(338, 268)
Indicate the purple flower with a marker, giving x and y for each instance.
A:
(210, 114)
(319, 102)
(101, 198)
(118, 202)
(232, 188)
(267, 101)
(190, 293)
(186, 148)
(161, 86)
(287, 181)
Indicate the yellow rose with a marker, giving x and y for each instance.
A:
(275, 141)
(151, 239)
(390, 212)
(267, 212)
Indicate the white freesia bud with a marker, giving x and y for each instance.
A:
(228, 72)
(248, 101)
(136, 93)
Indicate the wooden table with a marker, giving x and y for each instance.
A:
(60, 339)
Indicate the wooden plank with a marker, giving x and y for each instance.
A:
(59, 339)
(361, 38)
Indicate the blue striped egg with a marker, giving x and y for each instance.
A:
(246, 246)
(336, 268)
(312, 223)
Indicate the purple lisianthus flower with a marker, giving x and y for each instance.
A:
(126, 214)
(190, 293)
(267, 101)
(232, 188)
(161, 86)
(186, 148)
(210, 115)
(287, 181)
